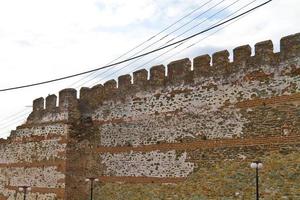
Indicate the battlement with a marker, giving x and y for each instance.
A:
(66, 98)
(205, 67)
(166, 125)
(48, 111)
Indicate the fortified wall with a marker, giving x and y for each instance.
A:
(188, 132)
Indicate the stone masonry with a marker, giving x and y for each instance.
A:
(189, 132)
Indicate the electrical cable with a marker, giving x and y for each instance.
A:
(14, 118)
(142, 50)
(135, 57)
(11, 119)
(155, 42)
(13, 115)
(152, 37)
(176, 45)
(203, 39)
(173, 39)
(139, 45)
(191, 45)
(15, 121)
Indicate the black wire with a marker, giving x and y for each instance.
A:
(180, 43)
(152, 37)
(191, 45)
(6, 118)
(142, 50)
(4, 122)
(135, 57)
(15, 121)
(176, 38)
(155, 42)
(194, 43)
(203, 21)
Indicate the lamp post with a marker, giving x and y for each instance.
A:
(24, 189)
(92, 180)
(256, 165)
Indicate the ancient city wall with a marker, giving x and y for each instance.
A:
(189, 131)
(35, 153)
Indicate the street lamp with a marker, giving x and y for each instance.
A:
(92, 180)
(256, 165)
(24, 189)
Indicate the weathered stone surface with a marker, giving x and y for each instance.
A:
(34, 157)
(187, 135)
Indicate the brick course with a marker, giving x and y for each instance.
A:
(190, 134)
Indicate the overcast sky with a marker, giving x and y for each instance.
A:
(43, 39)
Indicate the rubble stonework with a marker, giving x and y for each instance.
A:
(190, 133)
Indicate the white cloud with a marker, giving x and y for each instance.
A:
(121, 13)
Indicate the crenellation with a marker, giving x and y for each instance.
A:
(98, 89)
(67, 98)
(221, 66)
(37, 110)
(67, 102)
(96, 94)
(175, 128)
(124, 82)
(51, 102)
(84, 93)
(264, 52)
(220, 58)
(178, 70)
(202, 66)
(140, 78)
(241, 53)
(157, 75)
(290, 46)
(84, 96)
(38, 104)
(110, 88)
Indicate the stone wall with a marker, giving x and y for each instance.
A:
(35, 153)
(34, 156)
(188, 132)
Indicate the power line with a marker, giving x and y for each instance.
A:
(8, 118)
(15, 121)
(138, 56)
(191, 45)
(13, 115)
(168, 34)
(176, 45)
(204, 37)
(162, 38)
(204, 20)
(4, 122)
(208, 18)
(152, 37)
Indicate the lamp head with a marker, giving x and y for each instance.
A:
(259, 165)
(256, 164)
